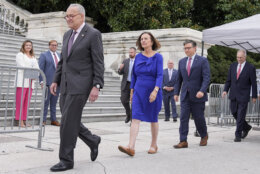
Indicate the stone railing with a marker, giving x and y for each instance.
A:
(13, 20)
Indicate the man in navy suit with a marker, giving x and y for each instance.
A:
(241, 78)
(169, 80)
(48, 62)
(193, 81)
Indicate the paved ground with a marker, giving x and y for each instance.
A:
(221, 156)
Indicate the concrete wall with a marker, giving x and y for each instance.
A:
(48, 26)
(117, 44)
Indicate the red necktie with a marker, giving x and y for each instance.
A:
(56, 60)
(188, 67)
(239, 70)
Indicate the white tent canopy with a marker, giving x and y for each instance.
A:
(241, 34)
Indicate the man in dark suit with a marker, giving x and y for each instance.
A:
(125, 69)
(48, 62)
(193, 81)
(169, 80)
(80, 75)
(240, 80)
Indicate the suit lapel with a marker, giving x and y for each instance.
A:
(185, 67)
(195, 61)
(81, 35)
(242, 71)
(127, 65)
(51, 59)
(66, 42)
(235, 71)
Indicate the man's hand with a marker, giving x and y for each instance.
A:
(53, 88)
(170, 88)
(224, 94)
(41, 85)
(93, 96)
(153, 96)
(199, 94)
(121, 66)
(176, 98)
(253, 100)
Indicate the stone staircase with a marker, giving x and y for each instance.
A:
(107, 108)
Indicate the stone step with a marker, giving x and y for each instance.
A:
(16, 39)
(102, 97)
(10, 103)
(108, 81)
(87, 110)
(108, 107)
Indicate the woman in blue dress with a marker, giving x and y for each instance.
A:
(146, 93)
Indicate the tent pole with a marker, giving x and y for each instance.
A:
(202, 48)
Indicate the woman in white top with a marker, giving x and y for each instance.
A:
(25, 58)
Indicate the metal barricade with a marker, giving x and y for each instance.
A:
(220, 107)
(214, 101)
(8, 93)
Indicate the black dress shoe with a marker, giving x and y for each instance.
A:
(127, 119)
(245, 133)
(61, 167)
(174, 120)
(94, 150)
(237, 139)
(166, 119)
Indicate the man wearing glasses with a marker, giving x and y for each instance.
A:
(48, 63)
(80, 75)
(193, 81)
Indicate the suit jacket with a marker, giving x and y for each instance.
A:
(240, 88)
(124, 72)
(83, 68)
(47, 65)
(168, 83)
(198, 80)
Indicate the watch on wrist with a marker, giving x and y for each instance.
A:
(97, 86)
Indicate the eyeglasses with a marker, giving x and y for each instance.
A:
(70, 16)
(187, 48)
(54, 45)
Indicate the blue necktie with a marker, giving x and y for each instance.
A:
(71, 41)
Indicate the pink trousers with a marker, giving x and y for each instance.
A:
(24, 102)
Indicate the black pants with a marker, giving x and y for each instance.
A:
(71, 107)
(238, 110)
(125, 100)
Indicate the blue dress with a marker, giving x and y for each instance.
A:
(147, 73)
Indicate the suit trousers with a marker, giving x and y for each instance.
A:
(167, 98)
(71, 127)
(125, 99)
(197, 110)
(52, 101)
(238, 110)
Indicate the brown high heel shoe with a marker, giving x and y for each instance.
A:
(127, 150)
(153, 150)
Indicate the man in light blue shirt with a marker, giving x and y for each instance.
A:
(125, 69)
